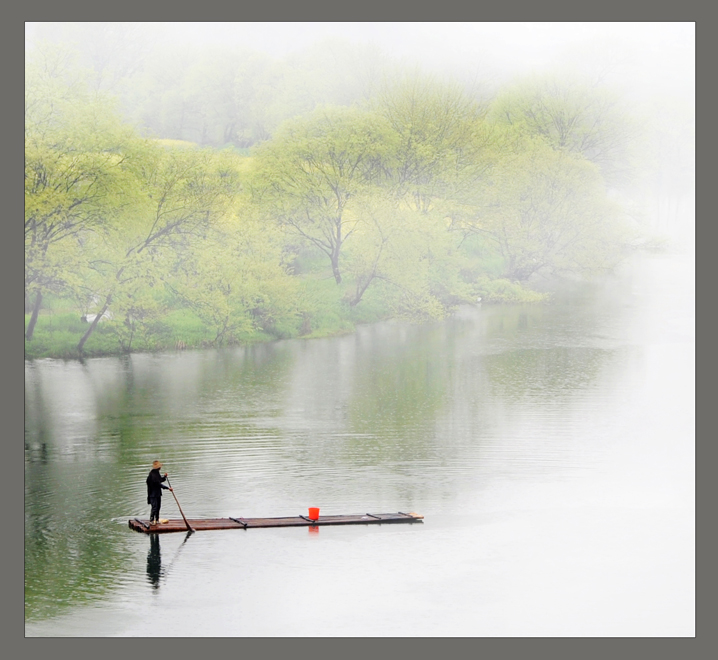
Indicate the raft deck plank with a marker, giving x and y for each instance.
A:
(205, 524)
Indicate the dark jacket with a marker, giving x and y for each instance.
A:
(154, 484)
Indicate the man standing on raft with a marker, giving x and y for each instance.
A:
(154, 491)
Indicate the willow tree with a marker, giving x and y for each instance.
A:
(236, 280)
(406, 258)
(441, 139)
(182, 191)
(576, 118)
(307, 175)
(77, 170)
(547, 210)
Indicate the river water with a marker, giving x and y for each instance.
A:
(549, 447)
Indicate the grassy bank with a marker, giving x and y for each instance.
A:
(60, 328)
(322, 311)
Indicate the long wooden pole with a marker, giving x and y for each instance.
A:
(189, 527)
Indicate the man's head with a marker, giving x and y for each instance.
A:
(156, 465)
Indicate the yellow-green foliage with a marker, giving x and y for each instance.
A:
(505, 291)
(408, 205)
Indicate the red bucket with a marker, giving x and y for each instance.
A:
(313, 513)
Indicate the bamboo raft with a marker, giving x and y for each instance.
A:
(204, 524)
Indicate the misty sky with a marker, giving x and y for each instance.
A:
(656, 53)
(651, 55)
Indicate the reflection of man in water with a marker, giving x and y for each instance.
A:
(154, 561)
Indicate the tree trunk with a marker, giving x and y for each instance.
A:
(360, 291)
(337, 274)
(33, 318)
(361, 288)
(93, 325)
(335, 269)
(336, 246)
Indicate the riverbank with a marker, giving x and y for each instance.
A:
(58, 334)
(60, 326)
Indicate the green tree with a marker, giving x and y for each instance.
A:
(409, 254)
(308, 174)
(440, 151)
(576, 118)
(183, 192)
(236, 280)
(548, 210)
(77, 174)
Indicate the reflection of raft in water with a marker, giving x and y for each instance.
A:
(203, 524)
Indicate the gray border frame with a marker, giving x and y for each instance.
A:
(12, 264)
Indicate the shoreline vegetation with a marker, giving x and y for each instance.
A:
(59, 328)
(230, 209)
